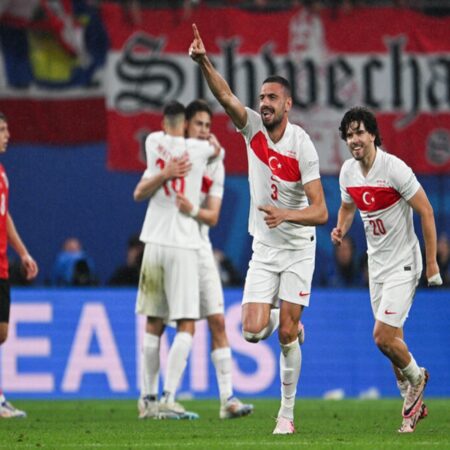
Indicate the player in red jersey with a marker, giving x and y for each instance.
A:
(9, 235)
(386, 192)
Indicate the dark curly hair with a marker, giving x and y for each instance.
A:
(360, 115)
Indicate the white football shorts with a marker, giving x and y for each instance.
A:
(211, 293)
(279, 274)
(168, 285)
(392, 299)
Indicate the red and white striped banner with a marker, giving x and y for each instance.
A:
(395, 61)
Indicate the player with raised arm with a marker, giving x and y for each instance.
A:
(9, 235)
(287, 202)
(199, 116)
(168, 285)
(386, 192)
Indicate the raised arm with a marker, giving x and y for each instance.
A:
(219, 87)
(346, 214)
(421, 205)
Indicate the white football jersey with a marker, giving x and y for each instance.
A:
(212, 185)
(381, 197)
(277, 174)
(164, 224)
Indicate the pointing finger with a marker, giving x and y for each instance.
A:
(195, 30)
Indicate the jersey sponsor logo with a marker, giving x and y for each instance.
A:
(373, 198)
(388, 313)
(284, 167)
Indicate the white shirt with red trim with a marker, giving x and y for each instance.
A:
(212, 185)
(277, 175)
(164, 224)
(381, 197)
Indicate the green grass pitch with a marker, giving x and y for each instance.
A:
(330, 425)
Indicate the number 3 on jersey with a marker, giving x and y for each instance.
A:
(177, 184)
(274, 194)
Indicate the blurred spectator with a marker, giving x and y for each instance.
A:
(228, 273)
(73, 267)
(345, 272)
(128, 274)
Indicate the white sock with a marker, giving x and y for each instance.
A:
(221, 358)
(412, 372)
(150, 365)
(176, 363)
(290, 366)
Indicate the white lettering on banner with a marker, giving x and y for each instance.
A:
(94, 321)
(199, 358)
(12, 379)
(248, 383)
(261, 353)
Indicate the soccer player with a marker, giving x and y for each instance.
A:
(199, 116)
(9, 235)
(287, 201)
(386, 191)
(168, 285)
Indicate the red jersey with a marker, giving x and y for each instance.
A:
(4, 195)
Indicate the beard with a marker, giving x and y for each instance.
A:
(274, 123)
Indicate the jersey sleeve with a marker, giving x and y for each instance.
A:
(309, 163)
(216, 172)
(253, 119)
(152, 155)
(200, 148)
(345, 196)
(403, 179)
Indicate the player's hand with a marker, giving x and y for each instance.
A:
(336, 236)
(197, 50)
(433, 276)
(29, 266)
(177, 167)
(274, 216)
(183, 204)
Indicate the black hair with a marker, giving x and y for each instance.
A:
(360, 114)
(3, 117)
(280, 80)
(173, 109)
(197, 106)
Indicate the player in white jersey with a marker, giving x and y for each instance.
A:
(199, 116)
(168, 286)
(386, 191)
(287, 201)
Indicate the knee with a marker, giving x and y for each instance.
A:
(381, 341)
(287, 333)
(216, 324)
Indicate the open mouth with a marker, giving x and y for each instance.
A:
(266, 114)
